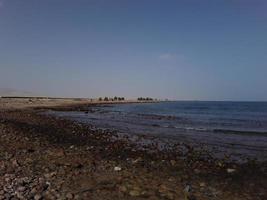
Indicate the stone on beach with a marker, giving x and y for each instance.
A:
(117, 168)
(229, 170)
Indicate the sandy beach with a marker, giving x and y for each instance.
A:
(71, 103)
(47, 157)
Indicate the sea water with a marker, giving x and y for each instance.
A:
(235, 127)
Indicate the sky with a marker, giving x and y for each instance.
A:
(184, 50)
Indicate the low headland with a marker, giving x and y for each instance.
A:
(47, 157)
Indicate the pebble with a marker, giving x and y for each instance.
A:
(169, 195)
(15, 163)
(173, 162)
(117, 168)
(20, 196)
(123, 188)
(37, 197)
(33, 191)
(69, 196)
(202, 184)
(135, 193)
(21, 189)
(50, 175)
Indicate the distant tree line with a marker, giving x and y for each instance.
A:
(145, 99)
(111, 99)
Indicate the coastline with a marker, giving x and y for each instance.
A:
(53, 157)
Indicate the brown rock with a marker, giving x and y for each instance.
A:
(37, 197)
(173, 162)
(135, 193)
(69, 196)
(15, 163)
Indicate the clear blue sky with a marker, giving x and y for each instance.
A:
(200, 50)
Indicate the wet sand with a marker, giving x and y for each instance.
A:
(45, 157)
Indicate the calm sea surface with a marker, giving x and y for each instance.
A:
(236, 127)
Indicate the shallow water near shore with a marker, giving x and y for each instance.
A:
(236, 128)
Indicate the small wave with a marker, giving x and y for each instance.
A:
(240, 132)
(160, 117)
(195, 129)
(186, 128)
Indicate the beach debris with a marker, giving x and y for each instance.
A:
(187, 188)
(187, 192)
(220, 164)
(230, 170)
(117, 168)
(137, 160)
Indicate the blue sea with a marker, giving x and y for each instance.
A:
(234, 127)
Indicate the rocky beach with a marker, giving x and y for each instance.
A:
(49, 157)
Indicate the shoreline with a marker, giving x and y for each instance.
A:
(220, 145)
(100, 165)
